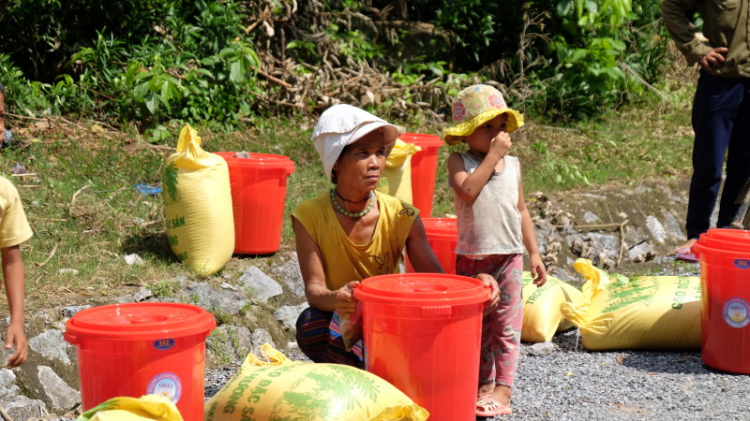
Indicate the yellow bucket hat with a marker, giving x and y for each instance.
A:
(475, 106)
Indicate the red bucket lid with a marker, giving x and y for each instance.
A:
(723, 244)
(740, 236)
(422, 140)
(702, 250)
(138, 321)
(445, 226)
(422, 289)
(260, 160)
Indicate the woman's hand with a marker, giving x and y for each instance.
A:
(346, 303)
(538, 271)
(494, 292)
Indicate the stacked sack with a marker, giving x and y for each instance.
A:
(198, 206)
(279, 389)
(396, 177)
(647, 312)
(542, 316)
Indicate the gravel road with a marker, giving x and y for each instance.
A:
(563, 381)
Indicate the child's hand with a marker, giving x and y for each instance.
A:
(15, 336)
(538, 271)
(494, 292)
(500, 144)
(345, 301)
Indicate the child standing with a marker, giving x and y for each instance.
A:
(14, 230)
(494, 226)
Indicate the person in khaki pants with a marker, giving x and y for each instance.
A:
(721, 108)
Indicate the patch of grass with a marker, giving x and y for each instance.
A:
(163, 288)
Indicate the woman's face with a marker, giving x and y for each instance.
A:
(361, 163)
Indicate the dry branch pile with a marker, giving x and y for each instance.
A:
(337, 77)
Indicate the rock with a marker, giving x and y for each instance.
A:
(71, 311)
(673, 227)
(51, 345)
(641, 253)
(17, 406)
(60, 394)
(133, 259)
(542, 348)
(656, 229)
(291, 276)
(288, 315)
(226, 285)
(590, 217)
(202, 294)
(262, 287)
(260, 337)
(635, 235)
(142, 295)
(230, 343)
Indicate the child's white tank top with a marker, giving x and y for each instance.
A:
(492, 223)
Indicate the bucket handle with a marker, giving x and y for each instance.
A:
(71, 339)
(436, 311)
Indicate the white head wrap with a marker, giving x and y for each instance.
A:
(343, 125)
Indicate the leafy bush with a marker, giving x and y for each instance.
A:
(156, 64)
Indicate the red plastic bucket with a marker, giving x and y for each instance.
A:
(258, 194)
(142, 348)
(422, 334)
(423, 170)
(725, 307)
(442, 236)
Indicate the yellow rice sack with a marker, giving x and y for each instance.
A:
(278, 389)
(148, 407)
(542, 316)
(198, 206)
(395, 179)
(647, 312)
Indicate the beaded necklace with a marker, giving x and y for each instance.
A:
(338, 206)
(352, 201)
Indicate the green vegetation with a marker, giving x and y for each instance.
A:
(97, 97)
(155, 65)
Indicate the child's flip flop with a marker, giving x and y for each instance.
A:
(488, 407)
(685, 255)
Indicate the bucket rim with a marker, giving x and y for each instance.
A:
(422, 289)
(441, 226)
(260, 160)
(722, 244)
(731, 234)
(138, 321)
(422, 139)
(701, 250)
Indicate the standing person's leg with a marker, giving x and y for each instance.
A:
(501, 331)
(738, 160)
(717, 101)
(471, 267)
(507, 328)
